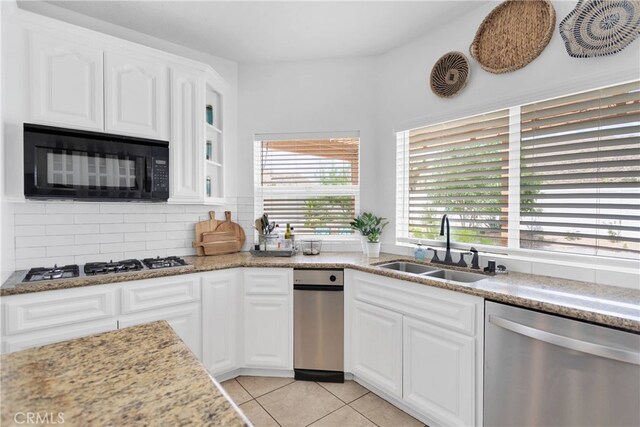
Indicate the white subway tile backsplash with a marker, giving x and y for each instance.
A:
(169, 226)
(146, 217)
(120, 228)
(98, 219)
(83, 239)
(29, 230)
(23, 253)
(122, 208)
(72, 250)
(122, 247)
(29, 208)
(72, 208)
(182, 234)
(61, 230)
(145, 236)
(168, 244)
(48, 233)
(153, 253)
(43, 240)
(42, 219)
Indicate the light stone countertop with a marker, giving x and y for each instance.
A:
(606, 305)
(143, 375)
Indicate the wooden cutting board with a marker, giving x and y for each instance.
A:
(228, 237)
(204, 227)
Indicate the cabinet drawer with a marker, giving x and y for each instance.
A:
(268, 281)
(50, 336)
(157, 293)
(24, 313)
(448, 309)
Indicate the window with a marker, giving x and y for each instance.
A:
(561, 175)
(312, 184)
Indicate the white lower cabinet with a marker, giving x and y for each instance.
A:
(221, 314)
(38, 338)
(376, 347)
(419, 344)
(439, 373)
(267, 342)
(268, 318)
(184, 319)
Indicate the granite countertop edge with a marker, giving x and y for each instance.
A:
(620, 307)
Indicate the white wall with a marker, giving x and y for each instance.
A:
(310, 96)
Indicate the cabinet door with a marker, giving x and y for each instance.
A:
(136, 96)
(439, 373)
(187, 139)
(376, 347)
(66, 83)
(184, 319)
(220, 312)
(54, 335)
(267, 332)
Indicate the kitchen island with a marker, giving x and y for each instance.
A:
(139, 375)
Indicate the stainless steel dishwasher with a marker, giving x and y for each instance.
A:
(318, 325)
(545, 370)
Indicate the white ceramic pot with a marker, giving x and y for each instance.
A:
(373, 249)
(363, 243)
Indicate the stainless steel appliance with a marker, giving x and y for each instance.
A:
(318, 325)
(547, 370)
(70, 164)
(99, 268)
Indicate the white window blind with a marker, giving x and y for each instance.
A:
(580, 173)
(572, 185)
(460, 168)
(312, 184)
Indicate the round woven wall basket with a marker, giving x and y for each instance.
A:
(513, 35)
(600, 27)
(449, 74)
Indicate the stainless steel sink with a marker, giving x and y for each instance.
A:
(456, 276)
(408, 267)
(434, 272)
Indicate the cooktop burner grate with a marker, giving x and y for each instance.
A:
(171, 261)
(94, 268)
(51, 273)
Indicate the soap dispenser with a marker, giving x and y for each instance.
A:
(420, 253)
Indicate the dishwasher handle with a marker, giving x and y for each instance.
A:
(335, 288)
(566, 342)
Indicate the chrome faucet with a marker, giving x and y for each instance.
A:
(447, 257)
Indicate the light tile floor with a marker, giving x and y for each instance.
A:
(270, 401)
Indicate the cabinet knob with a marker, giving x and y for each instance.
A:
(332, 278)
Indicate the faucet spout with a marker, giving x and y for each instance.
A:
(445, 220)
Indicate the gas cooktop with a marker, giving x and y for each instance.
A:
(98, 268)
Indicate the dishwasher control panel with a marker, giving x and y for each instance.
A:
(303, 276)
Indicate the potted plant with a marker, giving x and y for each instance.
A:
(359, 223)
(370, 226)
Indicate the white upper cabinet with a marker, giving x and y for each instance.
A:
(187, 129)
(136, 95)
(66, 83)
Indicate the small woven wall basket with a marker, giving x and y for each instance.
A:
(600, 27)
(449, 74)
(513, 35)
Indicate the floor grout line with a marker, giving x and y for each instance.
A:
(369, 419)
(346, 403)
(324, 416)
(268, 391)
(242, 387)
(256, 399)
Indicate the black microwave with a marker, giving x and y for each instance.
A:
(72, 164)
